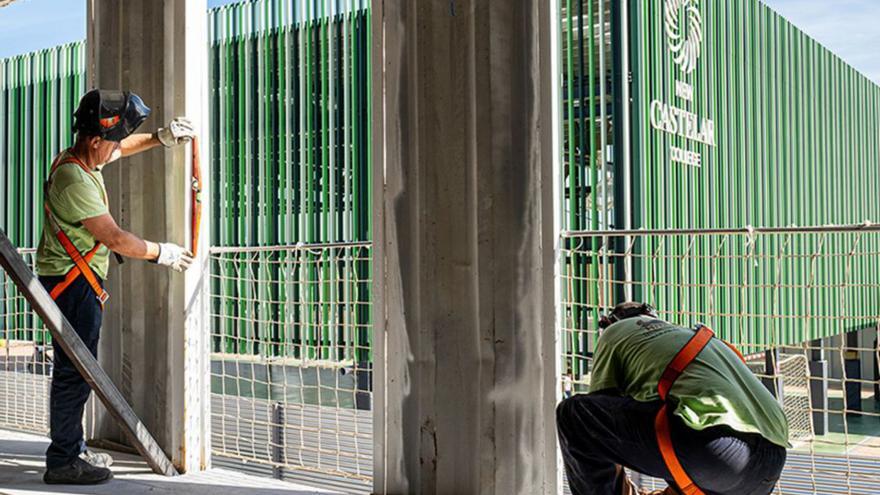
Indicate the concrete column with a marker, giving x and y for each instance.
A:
(463, 290)
(154, 343)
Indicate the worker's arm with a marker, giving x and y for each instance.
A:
(137, 143)
(105, 230)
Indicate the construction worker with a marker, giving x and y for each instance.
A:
(73, 257)
(672, 403)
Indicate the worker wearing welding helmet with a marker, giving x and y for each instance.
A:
(74, 254)
(673, 403)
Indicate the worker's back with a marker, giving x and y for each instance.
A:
(716, 389)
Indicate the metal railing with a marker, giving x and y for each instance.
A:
(291, 362)
(25, 360)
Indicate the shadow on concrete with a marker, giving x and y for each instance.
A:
(22, 464)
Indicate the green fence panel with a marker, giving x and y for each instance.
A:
(745, 120)
(38, 94)
(737, 119)
(291, 164)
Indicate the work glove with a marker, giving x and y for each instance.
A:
(174, 256)
(178, 131)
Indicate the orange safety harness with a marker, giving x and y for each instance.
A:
(80, 261)
(661, 422)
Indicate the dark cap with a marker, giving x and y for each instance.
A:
(111, 115)
(624, 310)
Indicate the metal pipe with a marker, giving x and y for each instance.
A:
(861, 227)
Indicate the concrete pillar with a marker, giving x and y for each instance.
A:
(154, 343)
(464, 248)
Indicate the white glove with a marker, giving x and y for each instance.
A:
(174, 256)
(178, 131)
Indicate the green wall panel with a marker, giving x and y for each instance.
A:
(784, 132)
(291, 165)
(38, 94)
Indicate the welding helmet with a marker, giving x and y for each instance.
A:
(110, 115)
(626, 310)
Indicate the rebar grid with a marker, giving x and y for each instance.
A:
(26, 357)
(291, 359)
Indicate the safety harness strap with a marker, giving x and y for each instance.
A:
(81, 265)
(681, 360)
(661, 422)
(73, 274)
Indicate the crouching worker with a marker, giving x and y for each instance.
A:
(672, 403)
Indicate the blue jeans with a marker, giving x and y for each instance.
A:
(69, 390)
(597, 432)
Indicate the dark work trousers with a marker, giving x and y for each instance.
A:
(599, 431)
(69, 390)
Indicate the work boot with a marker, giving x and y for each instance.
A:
(78, 472)
(97, 459)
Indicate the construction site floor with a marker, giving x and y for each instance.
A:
(22, 465)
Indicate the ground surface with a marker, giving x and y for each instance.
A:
(21, 471)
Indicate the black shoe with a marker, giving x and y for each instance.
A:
(78, 472)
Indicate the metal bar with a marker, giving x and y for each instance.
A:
(859, 227)
(66, 337)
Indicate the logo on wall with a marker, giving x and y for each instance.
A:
(683, 24)
(684, 30)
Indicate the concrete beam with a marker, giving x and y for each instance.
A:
(154, 343)
(464, 248)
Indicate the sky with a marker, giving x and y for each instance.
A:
(23, 24)
(846, 27)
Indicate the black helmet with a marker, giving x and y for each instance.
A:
(624, 310)
(110, 115)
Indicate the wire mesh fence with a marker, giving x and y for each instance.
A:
(25, 360)
(803, 305)
(291, 362)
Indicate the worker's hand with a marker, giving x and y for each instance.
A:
(177, 257)
(178, 131)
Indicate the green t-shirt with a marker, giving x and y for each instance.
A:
(74, 195)
(717, 388)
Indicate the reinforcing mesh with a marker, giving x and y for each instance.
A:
(25, 360)
(291, 360)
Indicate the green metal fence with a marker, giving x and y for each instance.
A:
(38, 94)
(737, 119)
(291, 254)
(786, 133)
(796, 129)
(291, 160)
(587, 183)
